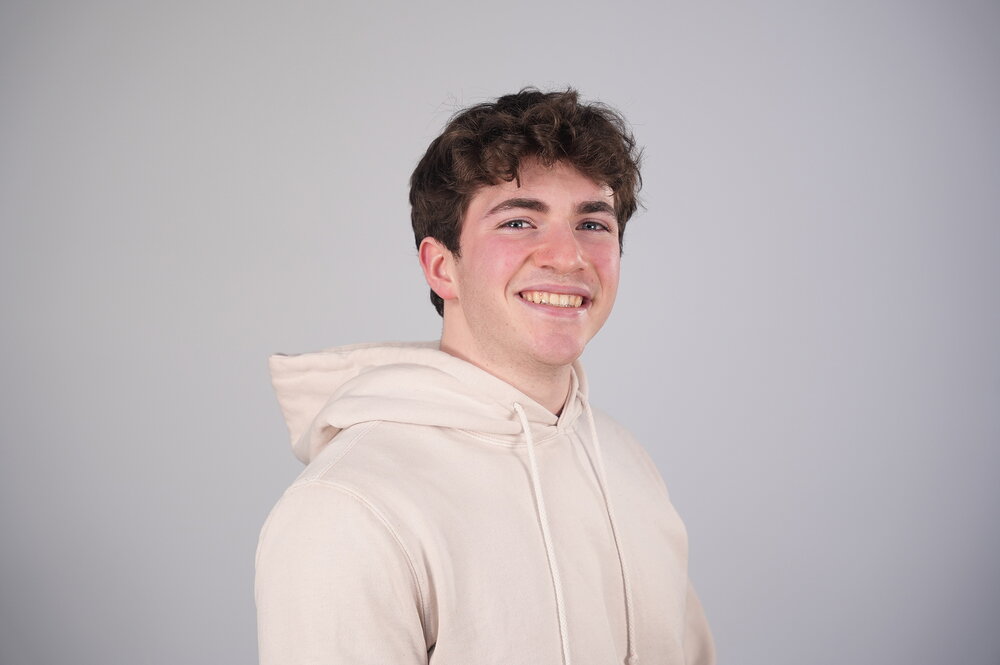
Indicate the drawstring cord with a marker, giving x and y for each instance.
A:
(632, 658)
(543, 521)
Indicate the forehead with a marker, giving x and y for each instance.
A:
(557, 185)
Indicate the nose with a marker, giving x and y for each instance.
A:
(560, 250)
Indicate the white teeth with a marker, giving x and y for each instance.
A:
(553, 299)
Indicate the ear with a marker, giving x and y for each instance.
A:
(438, 264)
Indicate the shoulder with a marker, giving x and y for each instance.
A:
(625, 452)
(616, 439)
(330, 567)
(371, 479)
(330, 506)
(385, 464)
(606, 424)
(320, 531)
(319, 515)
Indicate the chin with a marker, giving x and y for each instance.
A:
(558, 353)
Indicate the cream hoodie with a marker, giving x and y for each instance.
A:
(445, 517)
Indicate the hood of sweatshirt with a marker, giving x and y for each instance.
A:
(327, 391)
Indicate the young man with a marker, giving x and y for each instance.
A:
(463, 504)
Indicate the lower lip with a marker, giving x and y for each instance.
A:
(567, 312)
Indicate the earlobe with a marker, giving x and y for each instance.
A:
(438, 264)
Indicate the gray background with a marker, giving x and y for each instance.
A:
(806, 337)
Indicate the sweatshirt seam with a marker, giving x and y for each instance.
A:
(384, 521)
(479, 436)
(346, 448)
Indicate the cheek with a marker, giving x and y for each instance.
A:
(608, 266)
(495, 265)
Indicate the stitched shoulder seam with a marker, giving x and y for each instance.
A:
(346, 448)
(384, 521)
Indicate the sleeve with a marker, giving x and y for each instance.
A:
(699, 648)
(334, 584)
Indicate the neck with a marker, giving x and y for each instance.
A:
(544, 384)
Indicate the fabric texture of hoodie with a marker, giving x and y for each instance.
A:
(444, 517)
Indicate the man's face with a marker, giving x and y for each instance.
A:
(537, 273)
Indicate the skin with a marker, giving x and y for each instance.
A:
(556, 232)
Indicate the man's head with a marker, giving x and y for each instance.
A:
(488, 144)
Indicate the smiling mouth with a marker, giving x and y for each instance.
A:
(552, 299)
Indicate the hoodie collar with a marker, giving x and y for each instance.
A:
(324, 392)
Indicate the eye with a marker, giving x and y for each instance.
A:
(516, 224)
(593, 225)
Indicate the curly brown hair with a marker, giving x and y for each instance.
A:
(487, 143)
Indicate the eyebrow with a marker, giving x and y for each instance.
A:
(523, 204)
(585, 208)
(591, 207)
